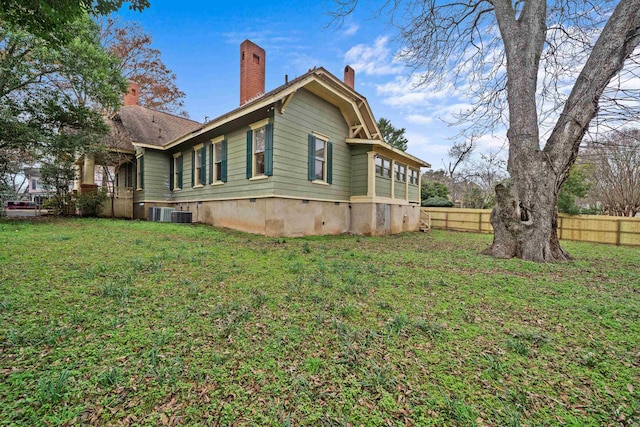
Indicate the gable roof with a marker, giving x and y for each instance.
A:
(353, 106)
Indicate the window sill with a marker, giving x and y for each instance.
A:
(139, 189)
(177, 189)
(259, 177)
(319, 182)
(213, 184)
(198, 186)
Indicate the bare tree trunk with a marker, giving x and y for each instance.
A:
(525, 217)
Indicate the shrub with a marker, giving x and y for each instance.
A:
(89, 202)
(437, 202)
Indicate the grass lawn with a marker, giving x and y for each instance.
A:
(138, 323)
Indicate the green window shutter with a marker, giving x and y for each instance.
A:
(193, 168)
(211, 163)
(268, 150)
(141, 171)
(249, 153)
(180, 183)
(311, 161)
(329, 163)
(223, 163)
(171, 172)
(203, 165)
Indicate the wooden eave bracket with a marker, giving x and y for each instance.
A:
(285, 101)
(355, 130)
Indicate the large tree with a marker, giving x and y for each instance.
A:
(13, 181)
(392, 135)
(50, 97)
(141, 63)
(501, 48)
(615, 173)
(51, 20)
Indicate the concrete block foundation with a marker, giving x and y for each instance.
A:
(280, 217)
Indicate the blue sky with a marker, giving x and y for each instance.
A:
(200, 42)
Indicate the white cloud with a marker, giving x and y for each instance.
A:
(491, 143)
(408, 93)
(351, 30)
(423, 145)
(419, 119)
(373, 59)
(300, 63)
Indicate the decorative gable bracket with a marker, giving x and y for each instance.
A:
(355, 130)
(284, 102)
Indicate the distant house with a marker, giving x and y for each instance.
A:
(306, 158)
(37, 191)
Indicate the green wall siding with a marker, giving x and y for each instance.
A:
(414, 194)
(304, 114)
(359, 179)
(383, 186)
(156, 176)
(399, 190)
(359, 169)
(237, 185)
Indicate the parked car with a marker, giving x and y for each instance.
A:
(13, 204)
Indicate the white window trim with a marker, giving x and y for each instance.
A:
(196, 174)
(391, 171)
(138, 172)
(214, 141)
(411, 171)
(258, 125)
(325, 139)
(400, 167)
(255, 126)
(177, 186)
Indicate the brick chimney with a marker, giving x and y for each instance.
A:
(349, 77)
(132, 95)
(252, 71)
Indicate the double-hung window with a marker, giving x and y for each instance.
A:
(217, 162)
(383, 167)
(320, 159)
(413, 176)
(260, 150)
(218, 156)
(140, 172)
(176, 172)
(401, 172)
(198, 167)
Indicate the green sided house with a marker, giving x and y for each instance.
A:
(304, 159)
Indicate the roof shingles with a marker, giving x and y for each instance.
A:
(146, 126)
